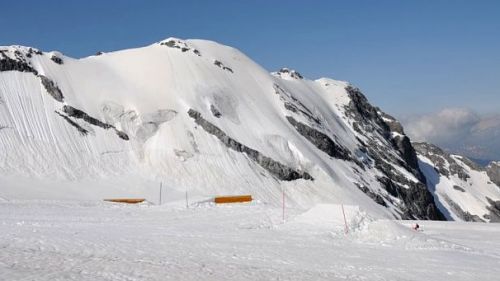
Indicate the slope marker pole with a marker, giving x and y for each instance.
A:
(283, 203)
(345, 221)
(187, 204)
(160, 191)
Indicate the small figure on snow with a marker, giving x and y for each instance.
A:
(416, 227)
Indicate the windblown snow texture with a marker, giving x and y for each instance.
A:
(203, 117)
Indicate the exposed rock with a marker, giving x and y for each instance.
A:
(56, 59)
(18, 64)
(77, 113)
(372, 121)
(456, 187)
(418, 201)
(493, 171)
(215, 111)
(222, 66)
(494, 209)
(277, 169)
(320, 140)
(179, 44)
(52, 88)
(388, 147)
(444, 163)
(285, 72)
(80, 129)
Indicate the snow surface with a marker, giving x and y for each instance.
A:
(93, 240)
(146, 92)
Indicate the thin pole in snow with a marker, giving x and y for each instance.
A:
(160, 191)
(283, 202)
(345, 221)
(187, 205)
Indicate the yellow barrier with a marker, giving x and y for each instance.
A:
(232, 199)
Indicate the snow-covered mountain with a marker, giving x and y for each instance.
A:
(202, 117)
(462, 189)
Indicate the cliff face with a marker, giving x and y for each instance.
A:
(462, 189)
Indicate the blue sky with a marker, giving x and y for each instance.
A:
(409, 57)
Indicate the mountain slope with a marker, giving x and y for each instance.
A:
(202, 117)
(463, 190)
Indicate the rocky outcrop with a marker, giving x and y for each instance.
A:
(52, 88)
(494, 209)
(320, 140)
(18, 64)
(493, 171)
(285, 72)
(79, 114)
(215, 111)
(443, 162)
(389, 150)
(222, 66)
(80, 129)
(179, 44)
(277, 169)
(56, 59)
(372, 122)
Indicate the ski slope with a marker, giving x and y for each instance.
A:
(93, 240)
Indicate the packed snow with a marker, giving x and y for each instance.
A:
(92, 240)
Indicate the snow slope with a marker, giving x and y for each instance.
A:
(202, 117)
(88, 240)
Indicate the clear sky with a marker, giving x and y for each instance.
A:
(409, 57)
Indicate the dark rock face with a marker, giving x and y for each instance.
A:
(182, 46)
(52, 88)
(493, 171)
(277, 169)
(494, 209)
(418, 201)
(222, 66)
(439, 158)
(320, 140)
(294, 74)
(215, 111)
(79, 114)
(388, 147)
(18, 64)
(371, 120)
(80, 129)
(456, 187)
(56, 59)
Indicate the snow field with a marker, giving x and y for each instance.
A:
(91, 240)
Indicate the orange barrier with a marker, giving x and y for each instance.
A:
(232, 199)
(125, 200)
